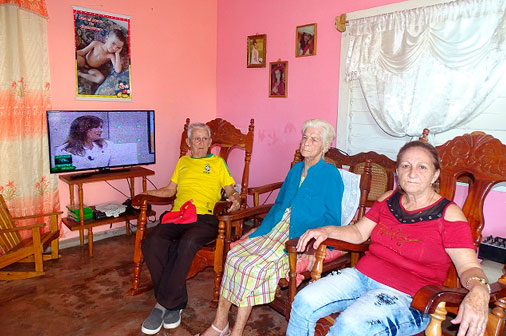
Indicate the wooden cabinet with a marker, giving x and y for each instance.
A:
(78, 179)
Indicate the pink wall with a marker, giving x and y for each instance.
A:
(189, 60)
(173, 72)
(312, 81)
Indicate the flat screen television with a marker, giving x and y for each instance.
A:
(100, 140)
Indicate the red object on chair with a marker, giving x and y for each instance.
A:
(185, 215)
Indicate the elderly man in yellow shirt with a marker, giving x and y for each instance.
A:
(170, 248)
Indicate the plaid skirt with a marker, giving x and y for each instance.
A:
(254, 267)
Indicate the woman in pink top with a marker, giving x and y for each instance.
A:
(415, 236)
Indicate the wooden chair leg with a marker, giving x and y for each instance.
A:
(219, 257)
(434, 327)
(39, 268)
(55, 246)
(138, 259)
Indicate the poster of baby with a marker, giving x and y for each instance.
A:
(102, 55)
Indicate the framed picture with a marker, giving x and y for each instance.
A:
(305, 40)
(278, 79)
(257, 50)
(102, 45)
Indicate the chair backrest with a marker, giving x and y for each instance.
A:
(226, 136)
(8, 240)
(383, 169)
(478, 159)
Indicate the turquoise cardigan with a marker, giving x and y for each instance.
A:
(317, 202)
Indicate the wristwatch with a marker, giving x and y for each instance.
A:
(479, 279)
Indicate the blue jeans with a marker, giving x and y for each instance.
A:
(368, 307)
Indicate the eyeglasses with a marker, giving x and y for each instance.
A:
(200, 139)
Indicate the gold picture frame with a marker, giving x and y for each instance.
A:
(305, 40)
(256, 51)
(278, 79)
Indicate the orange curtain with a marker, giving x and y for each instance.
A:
(25, 182)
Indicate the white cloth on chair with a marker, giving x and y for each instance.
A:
(351, 196)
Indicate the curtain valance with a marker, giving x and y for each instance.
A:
(432, 67)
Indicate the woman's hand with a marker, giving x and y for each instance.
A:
(473, 312)
(319, 234)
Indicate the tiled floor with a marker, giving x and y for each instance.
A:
(493, 270)
(87, 296)
(80, 295)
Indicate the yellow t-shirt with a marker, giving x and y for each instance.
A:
(200, 180)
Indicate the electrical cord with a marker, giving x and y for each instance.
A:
(267, 198)
(122, 193)
(152, 183)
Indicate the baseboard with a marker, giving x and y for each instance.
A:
(74, 241)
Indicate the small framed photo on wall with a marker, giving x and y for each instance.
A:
(256, 51)
(305, 40)
(278, 79)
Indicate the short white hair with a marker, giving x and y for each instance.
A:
(198, 126)
(327, 131)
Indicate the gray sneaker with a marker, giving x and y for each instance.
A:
(153, 323)
(172, 319)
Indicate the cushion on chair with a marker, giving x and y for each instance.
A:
(302, 263)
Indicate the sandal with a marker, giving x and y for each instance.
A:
(225, 332)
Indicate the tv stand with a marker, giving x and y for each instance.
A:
(82, 178)
(98, 172)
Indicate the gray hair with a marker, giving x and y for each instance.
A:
(198, 126)
(327, 131)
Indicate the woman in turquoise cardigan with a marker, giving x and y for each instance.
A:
(310, 197)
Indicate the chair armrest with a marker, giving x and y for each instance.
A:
(221, 208)
(138, 200)
(265, 188)
(335, 243)
(428, 297)
(38, 215)
(244, 213)
(19, 228)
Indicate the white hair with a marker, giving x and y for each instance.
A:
(198, 126)
(327, 131)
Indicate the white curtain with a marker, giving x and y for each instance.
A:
(432, 67)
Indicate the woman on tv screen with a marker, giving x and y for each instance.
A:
(85, 144)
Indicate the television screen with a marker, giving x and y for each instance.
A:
(83, 140)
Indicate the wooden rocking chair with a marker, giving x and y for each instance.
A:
(480, 160)
(225, 136)
(15, 249)
(377, 176)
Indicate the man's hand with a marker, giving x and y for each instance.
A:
(235, 198)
